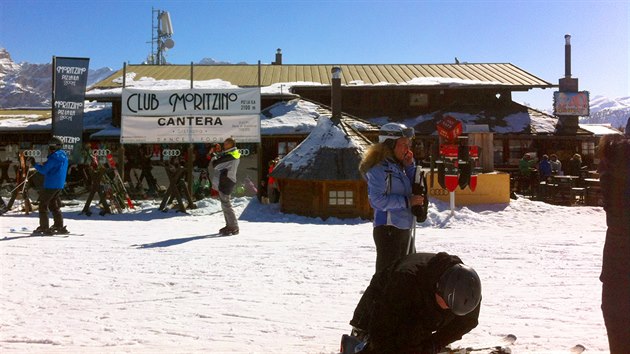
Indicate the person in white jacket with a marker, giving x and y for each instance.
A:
(225, 164)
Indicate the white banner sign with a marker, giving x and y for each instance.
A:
(190, 116)
(197, 102)
(190, 129)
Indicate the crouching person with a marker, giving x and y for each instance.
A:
(419, 304)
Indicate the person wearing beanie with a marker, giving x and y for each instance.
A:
(225, 163)
(55, 171)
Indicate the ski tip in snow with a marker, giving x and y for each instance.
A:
(579, 348)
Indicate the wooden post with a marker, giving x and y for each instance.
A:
(189, 168)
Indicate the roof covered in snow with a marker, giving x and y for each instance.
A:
(600, 129)
(243, 75)
(330, 152)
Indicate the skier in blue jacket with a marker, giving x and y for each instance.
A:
(389, 168)
(54, 170)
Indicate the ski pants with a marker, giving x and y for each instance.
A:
(49, 199)
(616, 311)
(228, 212)
(391, 244)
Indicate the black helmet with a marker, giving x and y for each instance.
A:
(460, 287)
(55, 143)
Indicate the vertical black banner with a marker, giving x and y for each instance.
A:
(69, 82)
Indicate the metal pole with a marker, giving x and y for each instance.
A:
(260, 145)
(189, 164)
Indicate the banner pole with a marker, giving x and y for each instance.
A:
(189, 163)
(54, 81)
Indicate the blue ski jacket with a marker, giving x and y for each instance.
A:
(389, 189)
(54, 170)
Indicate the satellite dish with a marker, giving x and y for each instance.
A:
(169, 43)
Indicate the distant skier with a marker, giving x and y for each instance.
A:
(225, 164)
(55, 170)
(614, 169)
(419, 304)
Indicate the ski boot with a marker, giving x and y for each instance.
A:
(228, 231)
(42, 231)
(59, 230)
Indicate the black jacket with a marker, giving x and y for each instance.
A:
(614, 172)
(404, 315)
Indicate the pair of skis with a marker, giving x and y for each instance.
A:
(352, 345)
(27, 232)
(501, 348)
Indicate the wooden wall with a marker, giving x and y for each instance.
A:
(310, 198)
(397, 102)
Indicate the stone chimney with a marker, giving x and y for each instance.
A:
(278, 57)
(336, 95)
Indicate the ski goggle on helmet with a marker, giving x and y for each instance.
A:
(460, 287)
(394, 131)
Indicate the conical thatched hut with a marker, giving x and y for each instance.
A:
(320, 177)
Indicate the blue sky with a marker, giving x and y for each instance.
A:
(528, 34)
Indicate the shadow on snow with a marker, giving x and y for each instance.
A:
(176, 241)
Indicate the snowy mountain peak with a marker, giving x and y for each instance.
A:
(29, 85)
(608, 111)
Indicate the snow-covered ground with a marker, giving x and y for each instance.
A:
(148, 281)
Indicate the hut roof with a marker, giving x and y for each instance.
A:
(331, 152)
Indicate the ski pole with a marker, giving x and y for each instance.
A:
(22, 184)
(412, 237)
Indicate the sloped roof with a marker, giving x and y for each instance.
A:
(514, 119)
(300, 116)
(330, 152)
(600, 129)
(245, 75)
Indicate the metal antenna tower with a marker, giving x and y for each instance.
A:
(160, 36)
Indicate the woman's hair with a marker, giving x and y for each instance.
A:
(374, 155)
(577, 157)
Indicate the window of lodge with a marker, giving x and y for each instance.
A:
(337, 198)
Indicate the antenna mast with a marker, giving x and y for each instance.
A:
(160, 36)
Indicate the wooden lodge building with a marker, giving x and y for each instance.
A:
(416, 94)
(419, 95)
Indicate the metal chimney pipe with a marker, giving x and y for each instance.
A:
(278, 57)
(567, 55)
(336, 94)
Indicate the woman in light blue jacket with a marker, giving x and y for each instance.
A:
(389, 168)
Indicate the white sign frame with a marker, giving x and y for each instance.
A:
(190, 116)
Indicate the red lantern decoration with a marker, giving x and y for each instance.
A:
(449, 128)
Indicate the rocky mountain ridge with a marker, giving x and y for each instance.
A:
(29, 85)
